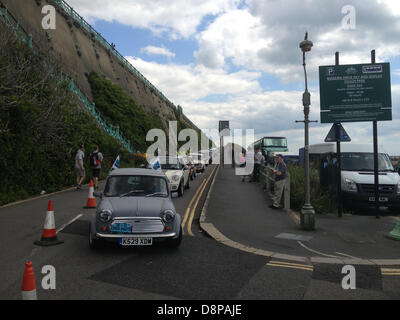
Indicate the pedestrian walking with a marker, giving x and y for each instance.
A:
(96, 158)
(280, 180)
(258, 161)
(79, 167)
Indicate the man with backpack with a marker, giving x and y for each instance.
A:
(96, 158)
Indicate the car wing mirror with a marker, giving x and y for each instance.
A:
(98, 194)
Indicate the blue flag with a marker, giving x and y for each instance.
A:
(116, 164)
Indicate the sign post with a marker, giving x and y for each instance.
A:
(338, 134)
(354, 93)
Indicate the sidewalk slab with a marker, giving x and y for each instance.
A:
(238, 215)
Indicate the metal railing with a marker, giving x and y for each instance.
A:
(74, 15)
(267, 180)
(114, 132)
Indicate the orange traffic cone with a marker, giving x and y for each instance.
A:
(49, 235)
(91, 202)
(28, 283)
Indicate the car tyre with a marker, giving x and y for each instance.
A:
(174, 243)
(94, 244)
(188, 184)
(394, 209)
(180, 189)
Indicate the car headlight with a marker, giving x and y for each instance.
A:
(350, 185)
(175, 178)
(105, 215)
(168, 216)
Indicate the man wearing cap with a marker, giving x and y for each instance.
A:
(280, 180)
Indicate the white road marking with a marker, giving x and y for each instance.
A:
(68, 223)
(317, 252)
(347, 255)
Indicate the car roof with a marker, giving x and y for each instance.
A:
(136, 172)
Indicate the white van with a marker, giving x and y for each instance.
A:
(357, 176)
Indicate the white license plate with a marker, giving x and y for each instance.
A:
(381, 199)
(136, 241)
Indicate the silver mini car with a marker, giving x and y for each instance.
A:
(135, 210)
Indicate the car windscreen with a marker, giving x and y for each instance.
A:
(365, 162)
(118, 186)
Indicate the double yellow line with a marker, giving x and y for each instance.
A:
(384, 271)
(191, 209)
(290, 265)
(390, 272)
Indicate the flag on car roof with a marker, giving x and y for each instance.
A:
(116, 164)
(155, 164)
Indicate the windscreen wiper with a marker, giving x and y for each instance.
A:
(156, 194)
(131, 192)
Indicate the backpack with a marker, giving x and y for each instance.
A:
(94, 161)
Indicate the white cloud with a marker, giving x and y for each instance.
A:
(265, 37)
(177, 18)
(184, 84)
(152, 50)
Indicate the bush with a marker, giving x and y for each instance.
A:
(322, 201)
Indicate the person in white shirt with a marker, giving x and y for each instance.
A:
(79, 167)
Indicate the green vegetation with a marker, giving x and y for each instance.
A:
(118, 108)
(42, 126)
(322, 201)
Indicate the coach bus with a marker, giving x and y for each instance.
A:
(269, 145)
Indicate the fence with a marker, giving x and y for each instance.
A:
(114, 132)
(267, 181)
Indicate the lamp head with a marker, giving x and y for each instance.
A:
(306, 44)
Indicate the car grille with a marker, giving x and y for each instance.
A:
(140, 225)
(383, 188)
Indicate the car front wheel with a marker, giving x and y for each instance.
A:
(94, 244)
(180, 189)
(174, 243)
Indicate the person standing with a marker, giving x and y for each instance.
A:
(96, 158)
(280, 180)
(79, 167)
(258, 161)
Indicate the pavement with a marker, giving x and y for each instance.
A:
(238, 214)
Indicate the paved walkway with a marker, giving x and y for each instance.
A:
(238, 214)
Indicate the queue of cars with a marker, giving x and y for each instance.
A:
(136, 207)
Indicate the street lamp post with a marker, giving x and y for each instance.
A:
(307, 211)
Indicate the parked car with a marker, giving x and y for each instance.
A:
(135, 210)
(357, 175)
(192, 167)
(206, 156)
(177, 171)
(199, 161)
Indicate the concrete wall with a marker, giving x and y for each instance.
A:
(68, 39)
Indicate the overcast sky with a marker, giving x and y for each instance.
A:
(239, 60)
